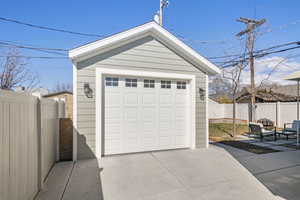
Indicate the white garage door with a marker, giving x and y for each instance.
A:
(145, 114)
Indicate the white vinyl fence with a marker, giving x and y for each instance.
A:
(28, 143)
(280, 112)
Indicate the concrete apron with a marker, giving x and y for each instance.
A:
(183, 174)
(209, 174)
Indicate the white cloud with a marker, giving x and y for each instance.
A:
(278, 67)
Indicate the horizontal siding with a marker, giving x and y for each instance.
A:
(88, 111)
(148, 59)
(200, 113)
(145, 64)
(85, 124)
(146, 54)
(146, 68)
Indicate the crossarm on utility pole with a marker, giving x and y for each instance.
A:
(251, 26)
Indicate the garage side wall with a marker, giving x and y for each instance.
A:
(146, 54)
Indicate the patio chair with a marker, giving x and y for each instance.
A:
(290, 129)
(257, 129)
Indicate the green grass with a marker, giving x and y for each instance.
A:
(225, 129)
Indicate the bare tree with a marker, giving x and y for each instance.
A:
(220, 87)
(15, 73)
(234, 75)
(59, 87)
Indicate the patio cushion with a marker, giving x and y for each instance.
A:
(266, 132)
(295, 125)
(257, 128)
(290, 130)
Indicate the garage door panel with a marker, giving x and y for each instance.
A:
(180, 99)
(181, 141)
(131, 127)
(180, 113)
(166, 99)
(131, 144)
(113, 99)
(112, 146)
(130, 99)
(165, 113)
(180, 124)
(166, 142)
(145, 119)
(113, 128)
(113, 113)
(148, 114)
(149, 127)
(149, 143)
(149, 99)
(130, 114)
(165, 128)
(112, 135)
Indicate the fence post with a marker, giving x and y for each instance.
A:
(39, 141)
(58, 103)
(278, 120)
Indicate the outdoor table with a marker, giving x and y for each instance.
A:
(287, 133)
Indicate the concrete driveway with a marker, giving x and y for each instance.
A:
(204, 174)
(279, 172)
(184, 174)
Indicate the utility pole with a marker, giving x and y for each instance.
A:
(251, 26)
(163, 4)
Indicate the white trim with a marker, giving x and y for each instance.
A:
(193, 112)
(75, 148)
(149, 29)
(104, 71)
(206, 113)
(99, 125)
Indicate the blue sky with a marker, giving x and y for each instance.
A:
(212, 21)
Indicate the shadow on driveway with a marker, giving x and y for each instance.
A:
(75, 181)
(279, 172)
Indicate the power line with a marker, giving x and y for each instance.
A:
(50, 28)
(257, 51)
(235, 62)
(60, 50)
(35, 57)
(34, 48)
(45, 50)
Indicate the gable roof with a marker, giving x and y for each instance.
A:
(295, 76)
(149, 29)
(58, 93)
(264, 95)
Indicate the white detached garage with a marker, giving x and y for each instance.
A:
(139, 90)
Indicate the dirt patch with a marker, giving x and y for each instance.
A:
(249, 147)
(225, 129)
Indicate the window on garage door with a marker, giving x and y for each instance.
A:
(129, 82)
(112, 81)
(165, 84)
(149, 83)
(181, 85)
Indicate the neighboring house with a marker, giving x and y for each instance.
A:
(264, 96)
(34, 91)
(139, 90)
(39, 91)
(291, 90)
(67, 96)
